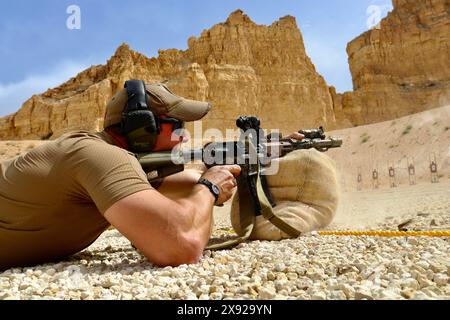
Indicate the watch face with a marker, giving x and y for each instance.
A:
(215, 189)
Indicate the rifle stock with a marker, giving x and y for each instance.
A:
(158, 165)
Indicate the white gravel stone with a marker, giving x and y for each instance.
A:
(410, 283)
(363, 293)
(267, 293)
(389, 295)
(216, 296)
(440, 279)
(337, 295)
(50, 272)
(419, 295)
(318, 296)
(348, 290)
(423, 264)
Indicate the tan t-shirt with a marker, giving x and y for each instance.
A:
(53, 198)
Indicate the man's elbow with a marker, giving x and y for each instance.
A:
(187, 246)
(192, 251)
(187, 250)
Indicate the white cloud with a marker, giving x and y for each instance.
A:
(13, 95)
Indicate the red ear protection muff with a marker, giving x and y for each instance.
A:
(166, 140)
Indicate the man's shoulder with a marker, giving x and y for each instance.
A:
(82, 135)
(86, 138)
(91, 144)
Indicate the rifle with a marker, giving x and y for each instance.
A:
(162, 164)
(253, 153)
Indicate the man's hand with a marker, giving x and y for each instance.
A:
(225, 178)
(296, 136)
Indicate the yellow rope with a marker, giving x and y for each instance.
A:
(379, 233)
(434, 233)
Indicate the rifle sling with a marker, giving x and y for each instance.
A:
(266, 189)
(247, 216)
(268, 214)
(250, 187)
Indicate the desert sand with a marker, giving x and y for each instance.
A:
(417, 139)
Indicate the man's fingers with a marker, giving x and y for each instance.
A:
(231, 183)
(234, 169)
(297, 136)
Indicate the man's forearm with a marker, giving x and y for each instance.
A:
(195, 202)
(198, 207)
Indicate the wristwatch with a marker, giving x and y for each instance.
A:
(211, 186)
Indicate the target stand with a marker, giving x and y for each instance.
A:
(359, 180)
(434, 168)
(375, 181)
(411, 172)
(392, 177)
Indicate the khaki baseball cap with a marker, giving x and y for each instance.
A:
(161, 101)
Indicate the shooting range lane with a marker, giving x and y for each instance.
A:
(311, 267)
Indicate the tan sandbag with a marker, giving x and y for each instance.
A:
(306, 192)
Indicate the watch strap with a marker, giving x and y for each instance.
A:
(210, 186)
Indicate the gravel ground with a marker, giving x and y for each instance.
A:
(311, 267)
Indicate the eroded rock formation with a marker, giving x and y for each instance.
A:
(404, 66)
(241, 67)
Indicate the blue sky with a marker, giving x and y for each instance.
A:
(38, 51)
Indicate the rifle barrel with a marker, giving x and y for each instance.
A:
(282, 146)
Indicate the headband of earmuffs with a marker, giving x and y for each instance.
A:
(139, 125)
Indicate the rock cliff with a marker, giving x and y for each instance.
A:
(404, 66)
(239, 66)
